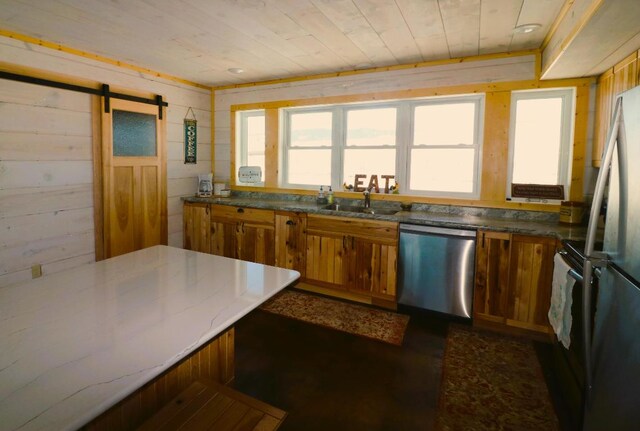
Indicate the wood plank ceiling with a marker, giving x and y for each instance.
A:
(200, 40)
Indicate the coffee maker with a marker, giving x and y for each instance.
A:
(205, 185)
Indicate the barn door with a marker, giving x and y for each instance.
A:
(134, 178)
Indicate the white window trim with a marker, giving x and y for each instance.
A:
(478, 100)
(286, 145)
(565, 161)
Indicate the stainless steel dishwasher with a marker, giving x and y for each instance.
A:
(436, 268)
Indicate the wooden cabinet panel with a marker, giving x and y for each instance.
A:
(223, 238)
(371, 268)
(531, 273)
(255, 243)
(291, 241)
(214, 229)
(623, 76)
(197, 227)
(243, 233)
(492, 276)
(325, 255)
(513, 281)
(356, 255)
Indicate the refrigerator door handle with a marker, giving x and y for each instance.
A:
(598, 193)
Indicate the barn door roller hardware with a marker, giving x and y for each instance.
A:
(103, 91)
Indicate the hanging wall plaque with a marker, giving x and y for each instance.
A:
(190, 139)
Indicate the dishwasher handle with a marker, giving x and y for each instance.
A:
(412, 228)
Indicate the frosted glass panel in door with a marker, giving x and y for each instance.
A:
(134, 134)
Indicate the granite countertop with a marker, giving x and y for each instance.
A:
(74, 343)
(513, 221)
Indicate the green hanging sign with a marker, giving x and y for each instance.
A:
(190, 139)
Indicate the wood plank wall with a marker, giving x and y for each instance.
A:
(46, 202)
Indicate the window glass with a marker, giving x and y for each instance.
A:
(538, 136)
(255, 142)
(251, 137)
(309, 167)
(134, 134)
(369, 162)
(310, 129)
(371, 127)
(443, 170)
(444, 124)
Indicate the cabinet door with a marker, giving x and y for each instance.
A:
(291, 241)
(530, 278)
(371, 267)
(223, 238)
(255, 243)
(197, 227)
(492, 276)
(325, 259)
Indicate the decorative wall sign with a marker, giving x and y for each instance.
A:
(537, 191)
(358, 184)
(190, 138)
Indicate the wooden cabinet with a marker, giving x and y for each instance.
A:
(513, 281)
(243, 233)
(492, 276)
(197, 227)
(353, 255)
(291, 240)
(623, 76)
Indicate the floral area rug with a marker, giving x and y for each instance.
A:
(492, 382)
(355, 319)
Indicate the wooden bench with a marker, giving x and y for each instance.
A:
(206, 405)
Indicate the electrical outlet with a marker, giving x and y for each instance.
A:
(36, 271)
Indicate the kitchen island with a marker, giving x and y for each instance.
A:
(76, 343)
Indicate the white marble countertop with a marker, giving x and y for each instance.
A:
(73, 344)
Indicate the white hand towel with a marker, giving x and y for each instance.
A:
(561, 300)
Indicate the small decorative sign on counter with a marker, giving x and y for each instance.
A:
(190, 138)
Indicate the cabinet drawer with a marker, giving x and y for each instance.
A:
(241, 214)
(379, 231)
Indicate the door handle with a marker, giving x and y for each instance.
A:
(240, 210)
(290, 223)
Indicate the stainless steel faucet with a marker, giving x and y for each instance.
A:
(367, 198)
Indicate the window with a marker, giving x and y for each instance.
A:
(308, 154)
(444, 155)
(370, 146)
(251, 135)
(432, 146)
(540, 142)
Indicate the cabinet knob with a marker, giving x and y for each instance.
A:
(240, 210)
(291, 223)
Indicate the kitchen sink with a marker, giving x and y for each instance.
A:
(361, 210)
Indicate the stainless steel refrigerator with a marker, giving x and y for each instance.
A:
(612, 347)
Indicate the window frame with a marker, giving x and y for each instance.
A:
(286, 145)
(567, 131)
(478, 100)
(403, 143)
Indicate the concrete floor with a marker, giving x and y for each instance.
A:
(329, 380)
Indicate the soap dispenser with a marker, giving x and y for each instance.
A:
(330, 196)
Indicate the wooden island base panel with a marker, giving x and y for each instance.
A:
(214, 362)
(211, 406)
